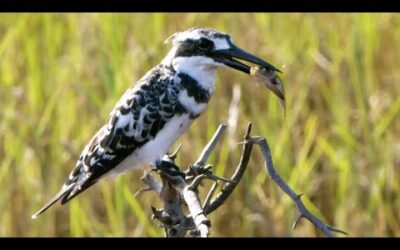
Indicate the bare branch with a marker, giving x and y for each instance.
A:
(151, 182)
(196, 182)
(199, 166)
(337, 230)
(175, 154)
(216, 178)
(142, 190)
(210, 146)
(172, 217)
(236, 177)
(192, 200)
(262, 142)
(210, 195)
(174, 187)
(296, 221)
(177, 188)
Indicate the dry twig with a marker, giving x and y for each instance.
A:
(177, 188)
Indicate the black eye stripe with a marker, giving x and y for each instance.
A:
(205, 43)
(191, 47)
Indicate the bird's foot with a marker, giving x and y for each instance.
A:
(168, 167)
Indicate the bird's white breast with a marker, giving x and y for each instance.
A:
(155, 149)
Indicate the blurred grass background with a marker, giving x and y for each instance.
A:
(61, 74)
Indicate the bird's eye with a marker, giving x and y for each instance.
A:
(205, 44)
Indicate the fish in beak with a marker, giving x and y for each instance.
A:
(272, 81)
(263, 72)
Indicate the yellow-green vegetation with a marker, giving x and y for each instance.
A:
(61, 74)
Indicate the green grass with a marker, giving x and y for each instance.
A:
(60, 75)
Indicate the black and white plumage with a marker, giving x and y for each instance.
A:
(153, 113)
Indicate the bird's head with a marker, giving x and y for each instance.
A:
(206, 48)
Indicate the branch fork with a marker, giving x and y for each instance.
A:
(178, 188)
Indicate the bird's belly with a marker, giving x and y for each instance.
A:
(155, 149)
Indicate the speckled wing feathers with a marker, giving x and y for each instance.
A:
(141, 112)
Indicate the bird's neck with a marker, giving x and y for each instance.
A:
(204, 75)
(195, 67)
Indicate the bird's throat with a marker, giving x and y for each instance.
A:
(197, 68)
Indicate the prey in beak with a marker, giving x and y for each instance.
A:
(264, 72)
(271, 80)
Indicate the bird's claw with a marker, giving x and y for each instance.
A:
(169, 168)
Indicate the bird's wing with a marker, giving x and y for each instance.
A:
(140, 113)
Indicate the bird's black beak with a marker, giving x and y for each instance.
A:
(228, 56)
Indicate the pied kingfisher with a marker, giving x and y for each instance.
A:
(154, 112)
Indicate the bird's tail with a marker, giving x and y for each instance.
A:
(61, 194)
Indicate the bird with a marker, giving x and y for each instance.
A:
(153, 113)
